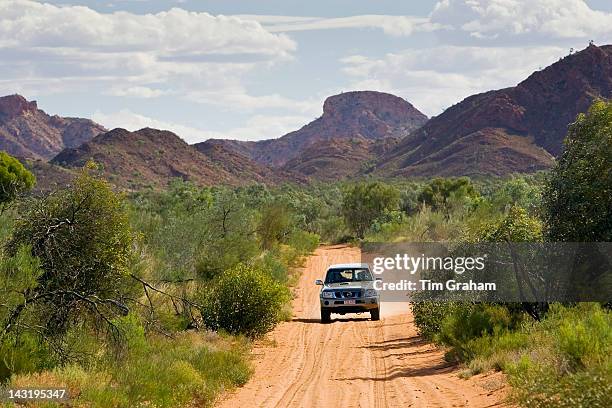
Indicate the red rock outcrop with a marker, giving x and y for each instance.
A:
(27, 131)
(363, 115)
(517, 129)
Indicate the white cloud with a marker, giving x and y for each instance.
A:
(172, 33)
(260, 127)
(256, 128)
(131, 121)
(435, 78)
(232, 96)
(391, 25)
(136, 92)
(480, 19)
(493, 19)
(46, 48)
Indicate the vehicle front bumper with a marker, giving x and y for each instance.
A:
(339, 305)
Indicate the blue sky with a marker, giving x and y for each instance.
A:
(255, 70)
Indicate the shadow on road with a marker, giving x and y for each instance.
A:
(318, 321)
(399, 372)
(397, 344)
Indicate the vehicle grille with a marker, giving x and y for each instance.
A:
(347, 294)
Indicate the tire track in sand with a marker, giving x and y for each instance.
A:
(353, 361)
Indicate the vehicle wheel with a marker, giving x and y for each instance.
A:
(325, 316)
(375, 314)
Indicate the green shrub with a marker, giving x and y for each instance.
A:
(14, 179)
(334, 230)
(189, 370)
(429, 315)
(224, 253)
(584, 341)
(448, 194)
(539, 385)
(304, 242)
(244, 300)
(468, 322)
(7, 219)
(274, 224)
(272, 264)
(363, 203)
(565, 360)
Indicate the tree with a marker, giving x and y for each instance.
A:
(578, 194)
(229, 235)
(525, 192)
(363, 203)
(82, 237)
(442, 193)
(516, 226)
(14, 178)
(274, 225)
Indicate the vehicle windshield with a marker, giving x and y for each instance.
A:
(348, 275)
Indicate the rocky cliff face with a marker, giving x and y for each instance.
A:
(27, 131)
(13, 106)
(517, 129)
(362, 115)
(366, 114)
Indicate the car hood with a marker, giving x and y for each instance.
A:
(351, 285)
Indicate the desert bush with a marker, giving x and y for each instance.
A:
(424, 226)
(518, 192)
(243, 300)
(495, 352)
(540, 386)
(409, 198)
(334, 230)
(190, 369)
(304, 242)
(363, 203)
(224, 253)
(14, 179)
(428, 316)
(567, 361)
(20, 350)
(468, 322)
(516, 226)
(7, 218)
(272, 264)
(564, 360)
(82, 238)
(448, 194)
(274, 224)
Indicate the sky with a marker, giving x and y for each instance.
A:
(253, 70)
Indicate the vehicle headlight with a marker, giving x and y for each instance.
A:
(370, 293)
(327, 295)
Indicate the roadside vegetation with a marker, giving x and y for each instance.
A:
(153, 298)
(150, 299)
(555, 355)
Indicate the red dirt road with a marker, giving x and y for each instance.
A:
(354, 362)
